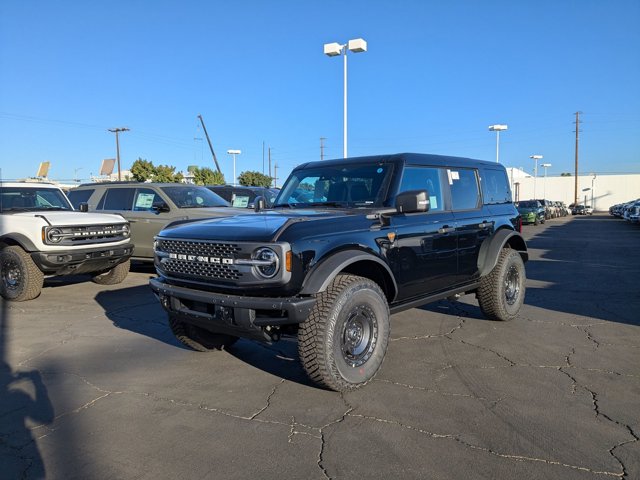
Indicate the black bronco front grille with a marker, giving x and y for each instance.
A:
(204, 260)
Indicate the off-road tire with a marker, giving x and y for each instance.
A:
(113, 276)
(198, 338)
(20, 278)
(343, 342)
(501, 292)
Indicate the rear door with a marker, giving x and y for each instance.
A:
(474, 223)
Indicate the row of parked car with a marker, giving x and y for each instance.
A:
(538, 211)
(629, 211)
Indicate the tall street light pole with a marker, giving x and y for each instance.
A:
(117, 131)
(234, 153)
(333, 50)
(535, 172)
(545, 165)
(498, 129)
(592, 180)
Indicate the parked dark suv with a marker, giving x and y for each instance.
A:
(374, 236)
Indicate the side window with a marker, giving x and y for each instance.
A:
(119, 199)
(464, 188)
(424, 178)
(145, 199)
(76, 197)
(495, 186)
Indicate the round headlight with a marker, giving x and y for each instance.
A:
(267, 255)
(54, 235)
(126, 230)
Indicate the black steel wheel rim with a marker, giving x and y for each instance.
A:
(512, 285)
(359, 336)
(11, 274)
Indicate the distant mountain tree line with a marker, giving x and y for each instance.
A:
(143, 170)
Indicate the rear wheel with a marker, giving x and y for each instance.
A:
(198, 338)
(20, 278)
(501, 292)
(114, 276)
(343, 342)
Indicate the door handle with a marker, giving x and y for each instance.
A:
(446, 229)
(485, 224)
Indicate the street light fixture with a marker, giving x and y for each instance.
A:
(357, 45)
(593, 206)
(545, 165)
(535, 172)
(75, 174)
(234, 153)
(498, 129)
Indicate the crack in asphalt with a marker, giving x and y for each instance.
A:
(456, 438)
(430, 390)
(436, 335)
(268, 403)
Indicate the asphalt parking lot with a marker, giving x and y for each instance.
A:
(93, 384)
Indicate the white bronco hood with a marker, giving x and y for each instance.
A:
(74, 217)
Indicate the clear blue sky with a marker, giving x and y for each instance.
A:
(435, 76)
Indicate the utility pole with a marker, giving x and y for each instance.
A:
(270, 163)
(210, 146)
(322, 139)
(275, 175)
(575, 187)
(117, 131)
(263, 157)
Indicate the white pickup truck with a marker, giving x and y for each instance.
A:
(42, 235)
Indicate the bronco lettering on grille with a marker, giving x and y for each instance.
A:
(202, 259)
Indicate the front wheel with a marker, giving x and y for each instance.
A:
(113, 276)
(198, 338)
(343, 342)
(501, 292)
(20, 278)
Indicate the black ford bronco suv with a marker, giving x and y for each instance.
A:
(347, 243)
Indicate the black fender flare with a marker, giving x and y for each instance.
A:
(19, 239)
(325, 271)
(490, 249)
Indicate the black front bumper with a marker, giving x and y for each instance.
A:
(242, 316)
(71, 262)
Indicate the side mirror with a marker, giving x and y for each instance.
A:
(259, 203)
(160, 207)
(84, 207)
(413, 201)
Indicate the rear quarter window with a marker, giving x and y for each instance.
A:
(495, 186)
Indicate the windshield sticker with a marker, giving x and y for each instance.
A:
(433, 201)
(455, 175)
(145, 200)
(449, 177)
(379, 170)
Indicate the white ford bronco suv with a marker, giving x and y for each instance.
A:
(41, 235)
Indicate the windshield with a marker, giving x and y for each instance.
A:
(29, 199)
(191, 196)
(342, 185)
(528, 205)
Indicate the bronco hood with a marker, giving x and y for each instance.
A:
(61, 218)
(260, 227)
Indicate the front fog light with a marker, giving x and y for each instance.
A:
(271, 264)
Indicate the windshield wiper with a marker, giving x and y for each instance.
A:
(326, 204)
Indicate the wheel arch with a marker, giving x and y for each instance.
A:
(19, 240)
(490, 249)
(355, 262)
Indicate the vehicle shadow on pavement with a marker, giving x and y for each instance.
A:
(279, 359)
(599, 281)
(24, 402)
(137, 309)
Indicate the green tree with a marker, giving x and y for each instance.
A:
(254, 179)
(206, 176)
(167, 174)
(142, 170)
(565, 174)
